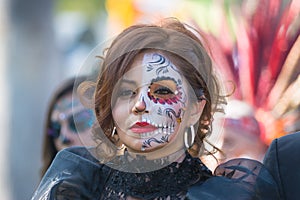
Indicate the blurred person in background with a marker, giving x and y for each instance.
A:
(263, 65)
(241, 135)
(60, 130)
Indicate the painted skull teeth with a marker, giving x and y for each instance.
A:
(169, 125)
(166, 131)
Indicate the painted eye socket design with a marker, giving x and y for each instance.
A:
(54, 129)
(165, 90)
(162, 91)
(84, 121)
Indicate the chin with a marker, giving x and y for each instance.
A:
(139, 148)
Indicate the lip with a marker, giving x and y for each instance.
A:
(142, 127)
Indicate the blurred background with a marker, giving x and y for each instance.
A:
(255, 45)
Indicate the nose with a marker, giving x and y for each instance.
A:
(65, 133)
(64, 140)
(140, 106)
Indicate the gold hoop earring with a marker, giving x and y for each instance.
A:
(192, 131)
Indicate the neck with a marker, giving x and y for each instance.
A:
(177, 156)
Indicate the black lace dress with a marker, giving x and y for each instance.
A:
(170, 182)
(75, 174)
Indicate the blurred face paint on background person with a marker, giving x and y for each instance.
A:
(63, 128)
(149, 104)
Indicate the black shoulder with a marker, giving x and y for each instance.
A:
(282, 160)
(73, 174)
(78, 152)
(293, 140)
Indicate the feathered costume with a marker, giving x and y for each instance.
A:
(263, 61)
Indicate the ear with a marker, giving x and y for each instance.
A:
(196, 111)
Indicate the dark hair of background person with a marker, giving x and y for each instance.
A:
(49, 149)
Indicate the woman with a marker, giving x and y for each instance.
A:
(154, 99)
(60, 130)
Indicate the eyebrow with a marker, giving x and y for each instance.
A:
(128, 82)
(163, 78)
(63, 105)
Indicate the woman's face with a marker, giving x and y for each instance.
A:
(149, 105)
(63, 118)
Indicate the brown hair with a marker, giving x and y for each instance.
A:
(178, 42)
(49, 149)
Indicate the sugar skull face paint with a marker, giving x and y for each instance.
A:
(149, 104)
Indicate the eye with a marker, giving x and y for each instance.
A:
(163, 89)
(84, 120)
(162, 92)
(72, 125)
(126, 93)
(54, 129)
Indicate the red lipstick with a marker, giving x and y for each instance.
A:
(142, 127)
(142, 124)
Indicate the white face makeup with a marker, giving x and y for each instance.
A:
(149, 104)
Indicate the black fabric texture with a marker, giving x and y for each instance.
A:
(283, 160)
(76, 174)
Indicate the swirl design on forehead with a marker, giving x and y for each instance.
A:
(161, 63)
